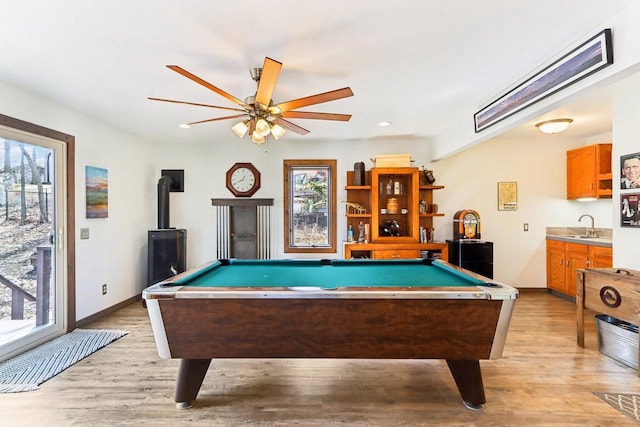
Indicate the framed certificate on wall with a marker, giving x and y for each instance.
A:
(507, 196)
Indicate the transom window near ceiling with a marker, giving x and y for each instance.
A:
(310, 206)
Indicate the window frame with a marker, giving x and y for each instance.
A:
(289, 167)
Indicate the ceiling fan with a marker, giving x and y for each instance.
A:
(260, 116)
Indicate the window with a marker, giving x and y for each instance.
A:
(310, 206)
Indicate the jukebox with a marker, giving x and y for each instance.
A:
(466, 250)
(466, 225)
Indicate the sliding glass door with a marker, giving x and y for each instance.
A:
(32, 239)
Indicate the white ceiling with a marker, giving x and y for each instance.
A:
(415, 63)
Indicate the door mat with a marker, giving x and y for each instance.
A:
(28, 370)
(628, 404)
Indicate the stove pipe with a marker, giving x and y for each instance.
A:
(164, 184)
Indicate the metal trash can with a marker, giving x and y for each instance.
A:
(618, 339)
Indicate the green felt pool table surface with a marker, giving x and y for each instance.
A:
(328, 274)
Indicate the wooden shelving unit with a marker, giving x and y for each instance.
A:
(391, 233)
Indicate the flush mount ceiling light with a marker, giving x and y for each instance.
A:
(259, 116)
(554, 126)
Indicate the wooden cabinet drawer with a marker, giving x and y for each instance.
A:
(396, 254)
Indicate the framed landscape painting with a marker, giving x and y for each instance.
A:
(97, 189)
(591, 56)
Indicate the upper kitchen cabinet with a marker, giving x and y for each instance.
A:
(589, 172)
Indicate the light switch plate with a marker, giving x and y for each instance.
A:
(84, 233)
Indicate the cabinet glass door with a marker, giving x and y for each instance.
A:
(394, 199)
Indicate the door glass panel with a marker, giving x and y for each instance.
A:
(29, 291)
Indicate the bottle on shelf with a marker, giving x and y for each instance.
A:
(350, 234)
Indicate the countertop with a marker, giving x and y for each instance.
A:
(576, 235)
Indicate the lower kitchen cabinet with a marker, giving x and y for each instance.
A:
(565, 258)
(577, 258)
(600, 257)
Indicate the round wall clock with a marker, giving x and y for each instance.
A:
(243, 179)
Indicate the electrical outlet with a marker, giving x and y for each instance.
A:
(104, 289)
(525, 227)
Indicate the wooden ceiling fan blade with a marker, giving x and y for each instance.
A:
(218, 118)
(194, 103)
(290, 126)
(318, 116)
(208, 85)
(345, 92)
(268, 79)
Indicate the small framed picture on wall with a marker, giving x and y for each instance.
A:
(629, 216)
(630, 171)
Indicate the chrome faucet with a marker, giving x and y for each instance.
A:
(591, 232)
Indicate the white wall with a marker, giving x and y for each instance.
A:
(626, 131)
(626, 60)
(539, 167)
(470, 179)
(205, 168)
(115, 254)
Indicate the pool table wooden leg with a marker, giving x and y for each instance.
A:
(190, 377)
(468, 378)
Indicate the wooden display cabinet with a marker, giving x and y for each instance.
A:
(394, 198)
(389, 205)
(589, 172)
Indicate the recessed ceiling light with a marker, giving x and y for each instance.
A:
(184, 126)
(384, 123)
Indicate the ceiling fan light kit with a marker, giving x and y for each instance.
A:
(241, 128)
(260, 117)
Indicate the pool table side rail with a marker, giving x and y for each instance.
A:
(161, 291)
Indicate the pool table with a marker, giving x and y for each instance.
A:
(373, 309)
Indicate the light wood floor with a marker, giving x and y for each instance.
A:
(544, 379)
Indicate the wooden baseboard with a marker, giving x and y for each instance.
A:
(107, 311)
(533, 290)
(561, 295)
